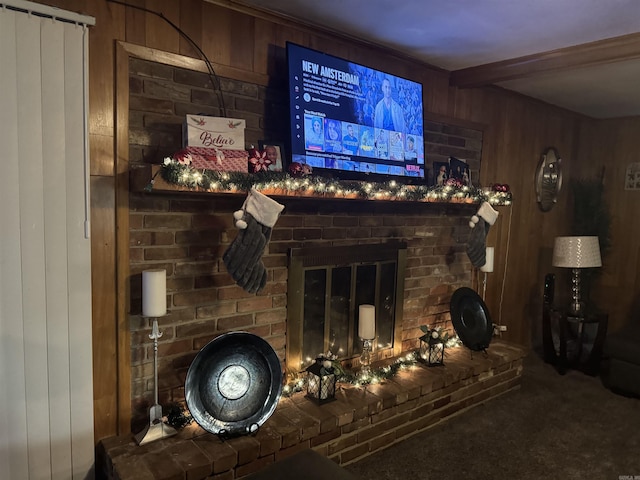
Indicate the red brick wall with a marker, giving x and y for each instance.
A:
(186, 234)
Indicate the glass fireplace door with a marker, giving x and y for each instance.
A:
(324, 297)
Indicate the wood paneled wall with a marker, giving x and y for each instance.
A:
(612, 145)
(250, 44)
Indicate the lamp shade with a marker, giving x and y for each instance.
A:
(576, 252)
(154, 293)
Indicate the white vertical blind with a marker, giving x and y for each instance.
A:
(46, 422)
(13, 420)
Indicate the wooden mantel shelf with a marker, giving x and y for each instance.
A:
(149, 179)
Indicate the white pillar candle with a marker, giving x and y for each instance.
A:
(367, 322)
(488, 266)
(154, 293)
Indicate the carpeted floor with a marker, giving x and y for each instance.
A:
(553, 427)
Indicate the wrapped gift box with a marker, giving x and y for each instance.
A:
(216, 159)
(213, 132)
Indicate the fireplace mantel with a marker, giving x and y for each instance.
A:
(149, 178)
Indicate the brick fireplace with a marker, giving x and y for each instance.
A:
(186, 234)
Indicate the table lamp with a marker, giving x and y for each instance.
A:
(576, 253)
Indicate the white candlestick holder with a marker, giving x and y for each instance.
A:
(156, 429)
(365, 357)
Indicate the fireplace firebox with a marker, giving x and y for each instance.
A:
(325, 287)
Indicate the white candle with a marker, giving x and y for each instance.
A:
(488, 266)
(154, 293)
(367, 322)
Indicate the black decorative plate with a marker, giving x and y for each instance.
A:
(234, 384)
(471, 319)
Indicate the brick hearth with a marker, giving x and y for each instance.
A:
(360, 422)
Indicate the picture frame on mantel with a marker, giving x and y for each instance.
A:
(441, 173)
(275, 152)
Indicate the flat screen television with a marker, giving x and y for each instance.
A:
(349, 121)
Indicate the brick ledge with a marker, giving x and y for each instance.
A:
(361, 422)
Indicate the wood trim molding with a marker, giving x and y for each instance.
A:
(123, 342)
(616, 49)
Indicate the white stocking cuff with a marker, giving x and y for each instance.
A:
(487, 212)
(264, 209)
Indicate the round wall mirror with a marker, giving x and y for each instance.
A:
(548, 179)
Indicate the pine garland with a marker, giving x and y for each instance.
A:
(182, 175)
(380, 374)
(376, 376)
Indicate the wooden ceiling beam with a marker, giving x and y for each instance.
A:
(616, 49)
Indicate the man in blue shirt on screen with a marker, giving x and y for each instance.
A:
(350, 141)
(389, 114)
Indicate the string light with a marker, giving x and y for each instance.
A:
(183, 175)
(409, 361)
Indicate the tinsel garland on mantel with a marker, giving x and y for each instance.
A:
(281, 183)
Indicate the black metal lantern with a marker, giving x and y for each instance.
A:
(321, 381)
(431, 351)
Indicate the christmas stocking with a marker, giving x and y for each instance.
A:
(243, 258)
(480, 223)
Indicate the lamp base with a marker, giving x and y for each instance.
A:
(576, 307)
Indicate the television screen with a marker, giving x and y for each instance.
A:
(354, 121)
